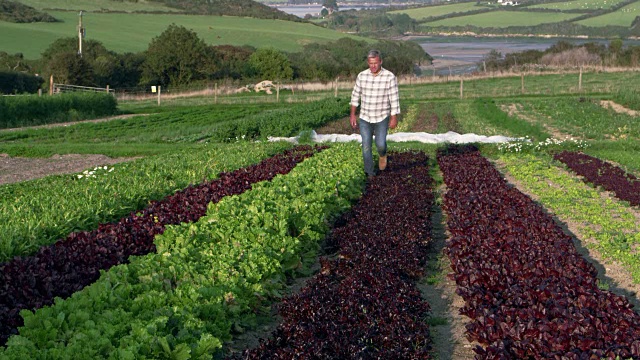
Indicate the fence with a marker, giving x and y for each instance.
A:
(61, 88)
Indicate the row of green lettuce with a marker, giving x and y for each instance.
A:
(39, 212)
(608, 225)
(206, 278)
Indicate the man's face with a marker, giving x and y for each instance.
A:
(375, 64)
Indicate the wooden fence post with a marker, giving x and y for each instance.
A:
(580, 80)
(461, 88)
(522, 82)
(159, 90)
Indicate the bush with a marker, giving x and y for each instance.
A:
(19, 111)
(14, 82)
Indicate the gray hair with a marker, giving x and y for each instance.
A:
(374, 54)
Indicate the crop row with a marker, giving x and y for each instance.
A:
(608, 226)
(39, 212)
(72, 263)
(364, 304)
(286, 122)
(528, 292)
(206, 278)
(583, 118)
(601, 173)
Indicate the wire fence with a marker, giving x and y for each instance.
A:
(455, 85)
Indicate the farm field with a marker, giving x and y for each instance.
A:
(223, 224)
(133, 32)
(501, 18)
(578, 4)
(92, 5)
(623, 16)
(438, 10)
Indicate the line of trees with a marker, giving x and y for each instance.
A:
(178, 57)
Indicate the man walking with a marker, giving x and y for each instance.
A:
(376, 91)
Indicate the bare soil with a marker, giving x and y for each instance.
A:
(16, 169)
(618, 108)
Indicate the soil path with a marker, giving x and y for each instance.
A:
(618, 108)
(516, 110)
(21, 169)
(446, 324)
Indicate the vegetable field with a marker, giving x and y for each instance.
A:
(211, 235)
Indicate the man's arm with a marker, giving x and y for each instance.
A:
(353, 119)
(355, 101)
(394, 99)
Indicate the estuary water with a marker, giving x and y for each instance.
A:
(314, 9)
(460, 55)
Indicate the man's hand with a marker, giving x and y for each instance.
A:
(354, 121)
(393, 122)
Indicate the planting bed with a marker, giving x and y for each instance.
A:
(364, 303)
(612, 178)
(71, 264)
(528, 292)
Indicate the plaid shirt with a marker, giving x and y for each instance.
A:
(379, 95)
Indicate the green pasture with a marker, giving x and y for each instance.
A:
(98, 5)
(133, 32)
(500, 86)
(438, 10)
(503, 18)
(621, 17)
(581, 117)
(587, 5)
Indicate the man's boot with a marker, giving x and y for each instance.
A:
(382, 162)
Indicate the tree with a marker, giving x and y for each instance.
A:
(271, 64)
(91, 49)
(14, 62)
(176, 57)
(233, 62)
(69, 68)
(331, 5)
(492, 61)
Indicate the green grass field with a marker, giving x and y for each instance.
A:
(586, 5)
(133, 32)
(501, 18)
(428, 11)
(97, 5)
(622, 17)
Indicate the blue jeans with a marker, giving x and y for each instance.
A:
(367, 131)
